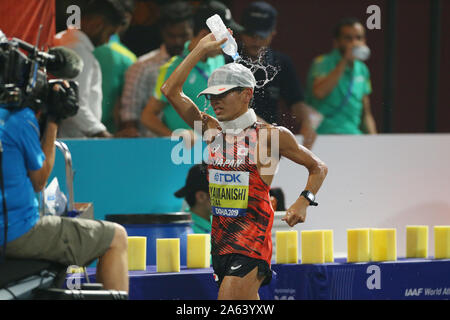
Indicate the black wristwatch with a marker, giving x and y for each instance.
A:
(310, 197)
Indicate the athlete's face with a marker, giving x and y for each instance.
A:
(231, 104)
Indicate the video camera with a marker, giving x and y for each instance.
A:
(23, 79)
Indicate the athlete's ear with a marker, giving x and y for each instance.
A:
(248, 95)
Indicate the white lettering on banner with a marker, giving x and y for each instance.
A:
(433, 292)
(374, 281)
(413, 292)
(417, 292)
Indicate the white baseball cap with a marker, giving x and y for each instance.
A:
(227, 77)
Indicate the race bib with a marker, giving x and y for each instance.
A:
(228, 191)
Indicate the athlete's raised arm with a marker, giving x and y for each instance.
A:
(173, 87)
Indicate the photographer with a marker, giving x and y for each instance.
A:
(26, 166)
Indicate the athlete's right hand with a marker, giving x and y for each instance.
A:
(209, 45)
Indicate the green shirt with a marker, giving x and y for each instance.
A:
(200, 225)
(114, 60)
(195, 82)
(343, 107)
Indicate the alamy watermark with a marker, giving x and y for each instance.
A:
(231, 148)
(74, 20)
(374, 20)
(73, 279)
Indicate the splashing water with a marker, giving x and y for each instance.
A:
(206, 105)
(270, 71)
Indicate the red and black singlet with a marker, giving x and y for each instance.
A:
(242, 211)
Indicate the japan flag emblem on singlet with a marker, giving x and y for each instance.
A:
(214, 150)
(242, 151)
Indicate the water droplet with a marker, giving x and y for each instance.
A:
(255, 65)
(206, 105)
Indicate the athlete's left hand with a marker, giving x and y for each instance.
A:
(296, 213)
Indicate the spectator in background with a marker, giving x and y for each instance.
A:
(259, 22)
(339, 84)
(100, 20)
(114, 59)
(176, 28)
(277, 199)
(196, 194)
(197, 80)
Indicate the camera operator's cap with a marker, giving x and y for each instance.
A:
(196, 181)
(259, 18)
(227, 77)
(215, 7)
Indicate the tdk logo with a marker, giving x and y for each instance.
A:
(227, 177)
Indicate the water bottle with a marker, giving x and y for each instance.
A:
(220, 32)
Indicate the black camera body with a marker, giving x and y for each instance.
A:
(23, 82)
(23, 79)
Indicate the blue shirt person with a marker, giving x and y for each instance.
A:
(22, 152)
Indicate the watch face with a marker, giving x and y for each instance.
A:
(309, 195)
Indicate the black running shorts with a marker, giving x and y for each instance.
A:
(238, 265)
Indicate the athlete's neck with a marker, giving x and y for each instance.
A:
(240, 123)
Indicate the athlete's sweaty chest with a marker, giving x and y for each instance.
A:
(234, 152)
